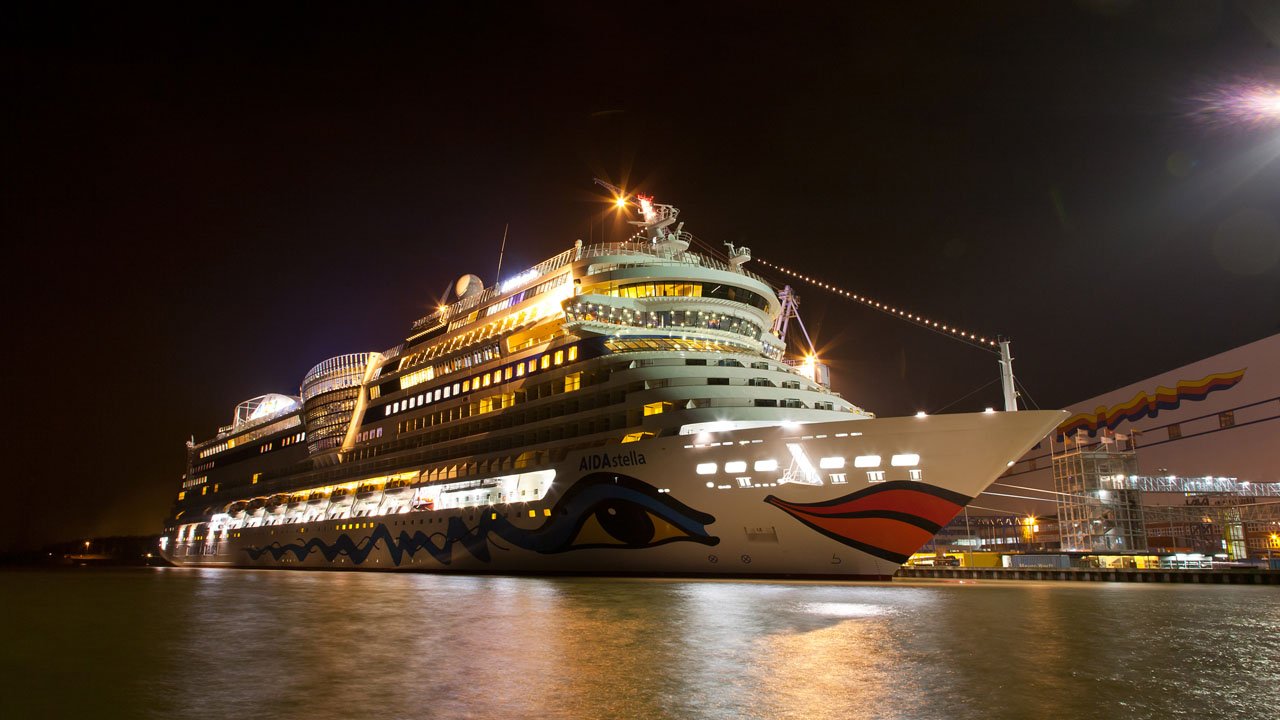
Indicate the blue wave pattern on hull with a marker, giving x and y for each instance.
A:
(602, 510)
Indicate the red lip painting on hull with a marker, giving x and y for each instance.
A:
(890, 520)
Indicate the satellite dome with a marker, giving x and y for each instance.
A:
(467, 286)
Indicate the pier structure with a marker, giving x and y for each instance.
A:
(1104, 504)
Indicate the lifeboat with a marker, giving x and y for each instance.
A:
(396, 488)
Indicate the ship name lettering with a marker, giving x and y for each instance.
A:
(605, 460)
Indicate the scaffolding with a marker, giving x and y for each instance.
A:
(1101, 508)
(1094, 515)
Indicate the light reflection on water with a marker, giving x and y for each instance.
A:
(185, 643)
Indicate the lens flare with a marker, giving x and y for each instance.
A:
(1250, 103)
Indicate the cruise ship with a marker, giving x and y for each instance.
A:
(621, 408)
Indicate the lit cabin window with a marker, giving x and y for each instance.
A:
(506, 374)
(486, 380)
(520, 370)
(766, 465)
(831, 463)
(546, 361)
(866, 461)
(706, 468)
(387, 410)
(456, 388)
(573, 353)
(559, 357)
(533, 513)
(657, 408)
(437, 394)
(905, 460)
(735, 466)
(572, 381)
(466, 386)
(395, 407)
(533, 364)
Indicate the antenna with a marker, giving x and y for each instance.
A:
(498, 278)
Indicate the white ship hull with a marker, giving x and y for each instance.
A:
(768, 502)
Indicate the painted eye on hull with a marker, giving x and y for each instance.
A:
(611, 510)
(622, 523)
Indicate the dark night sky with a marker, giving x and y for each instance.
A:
(200, 205)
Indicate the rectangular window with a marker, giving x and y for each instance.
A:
(1175, 431)
(915, 474)
(735, 466)
(706, 468)
(546, 361)
(506, 374)
(1227, 419)
(875, 476)
(573, 353)
(559, 357)
(520, 370)
(572, 381)
(717, 381)
(466, 386)
(831, 463)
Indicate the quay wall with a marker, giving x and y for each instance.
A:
(1129, 575)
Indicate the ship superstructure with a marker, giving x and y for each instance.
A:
(620, 407)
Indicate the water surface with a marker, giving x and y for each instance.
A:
(166, 643)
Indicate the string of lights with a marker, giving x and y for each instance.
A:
(944, 329)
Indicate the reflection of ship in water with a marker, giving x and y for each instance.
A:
(621, 408)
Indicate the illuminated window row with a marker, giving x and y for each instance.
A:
(518, 370)
(835, 462)
(621, 345)
(718, 290)
(675, 319)
(369, 435)
(246, 438)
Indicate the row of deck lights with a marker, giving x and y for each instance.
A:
(882, 306)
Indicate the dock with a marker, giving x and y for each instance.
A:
(1123, 575)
